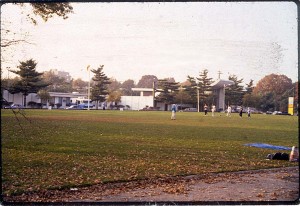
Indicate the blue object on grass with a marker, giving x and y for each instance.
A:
(268, 146)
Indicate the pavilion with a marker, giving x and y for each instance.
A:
(219, 89)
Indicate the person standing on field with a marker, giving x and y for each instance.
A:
(205, 109)
(213, 109)
(229, 111)
(241, 112)
(173, 109)
(249, 112)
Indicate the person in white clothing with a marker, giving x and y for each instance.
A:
(213, 109)
(249, 112)
(229, 111)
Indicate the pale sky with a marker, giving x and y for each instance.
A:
(172, 39)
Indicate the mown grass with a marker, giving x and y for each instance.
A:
(61, 149)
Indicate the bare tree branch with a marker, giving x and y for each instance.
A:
(7, 43)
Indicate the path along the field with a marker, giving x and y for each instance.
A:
(275, 185)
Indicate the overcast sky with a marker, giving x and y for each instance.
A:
(171, 39)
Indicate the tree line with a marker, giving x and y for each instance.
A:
(269, 94)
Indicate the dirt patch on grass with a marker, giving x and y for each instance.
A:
(275, 185)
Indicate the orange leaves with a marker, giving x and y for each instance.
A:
(177, 188)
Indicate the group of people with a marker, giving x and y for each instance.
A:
(213, 109)
(240, 112)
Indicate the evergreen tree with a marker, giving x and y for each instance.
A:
(204, 87)
(249, 99)
(30, 80)
(267, 101)
(191, 90)
(201, 83)
(249, 87)
(100, 87)
(234, 93)
(168, 91)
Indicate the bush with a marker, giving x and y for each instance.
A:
(32, 104)
(58, 105)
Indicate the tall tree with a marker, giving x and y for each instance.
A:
(182, 96)
(249, 99)
(274, 83)
(147, 81)
(204, 87)
(13, 85)
(114, 85)
(56, 83)
(249, 87)
(79, 85)
(30, 80)
(168, 91)
(100, 87)
(267, 101)
(234, 93)
(127, 87)
(190, 87)
(277, 83)
(48, 10)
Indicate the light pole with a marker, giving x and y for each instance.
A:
(89, 87)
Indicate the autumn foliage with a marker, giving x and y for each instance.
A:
(71, 149)
(273, 83)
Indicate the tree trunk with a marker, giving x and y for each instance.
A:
(25, 100)
(97, 104)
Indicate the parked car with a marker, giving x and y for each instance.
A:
(14, 106)
(73, 107)
(280, 113)
(190, 110)
(276, 113)
(150, 109)
(283, 113)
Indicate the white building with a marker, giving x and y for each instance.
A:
(145, 99)
(139, 102)
(58, 99)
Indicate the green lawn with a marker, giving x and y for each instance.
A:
(61, 148)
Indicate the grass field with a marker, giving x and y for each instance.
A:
(62, 149)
